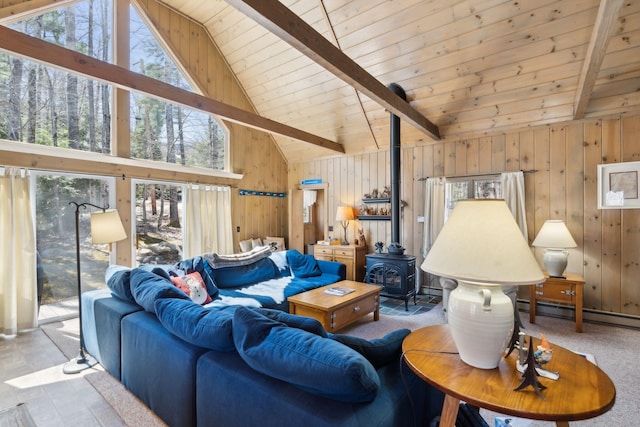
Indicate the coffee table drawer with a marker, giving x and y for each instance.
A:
(352, 312)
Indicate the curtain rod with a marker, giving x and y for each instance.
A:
(475, 174)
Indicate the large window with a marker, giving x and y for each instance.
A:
(159, 222)
(55, 237)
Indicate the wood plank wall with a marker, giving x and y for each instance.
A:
(564, 186)
(253, 153)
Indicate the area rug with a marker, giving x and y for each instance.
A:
(17, 416)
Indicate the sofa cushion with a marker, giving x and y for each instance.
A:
(200, 265)
(147, 287)
(379, 351)
(302, 265)
(311, 362)
(192, 285)
(245, 275)
(197, 325)
(118, 280)
(308, 324)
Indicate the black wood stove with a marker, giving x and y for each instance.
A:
(394, 271)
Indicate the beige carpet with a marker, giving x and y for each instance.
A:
(615, 350)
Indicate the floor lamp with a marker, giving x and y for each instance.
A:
(106, 227)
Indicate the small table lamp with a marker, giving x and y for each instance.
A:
(555, 236)
(344, 215)
(482, 247)
(106, 227)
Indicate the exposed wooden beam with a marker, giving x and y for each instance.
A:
(278, 19)
(605, 20)
(48, 53)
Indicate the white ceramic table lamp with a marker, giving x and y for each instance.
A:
(555, 236)
(482, 247)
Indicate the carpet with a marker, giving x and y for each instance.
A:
(17, 416)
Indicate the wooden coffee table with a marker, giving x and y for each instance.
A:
(583, 390)
(336, 312)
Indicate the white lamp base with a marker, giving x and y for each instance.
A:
(555, 262)
(481, 322)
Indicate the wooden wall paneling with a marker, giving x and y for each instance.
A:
(557, 177)
(611, 225)
(472, 156)
(449, 159)
(438, 159)
(512, 152)
(574, 134)
(461, 157)
(592, 218)
(541, 165)
(484, 155)
(630, 225)
(498, 154)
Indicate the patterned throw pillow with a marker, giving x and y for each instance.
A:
(192, 285)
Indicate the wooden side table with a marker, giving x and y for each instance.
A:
(556, 289)
(583, 390)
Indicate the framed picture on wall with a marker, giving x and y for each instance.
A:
(619, 186)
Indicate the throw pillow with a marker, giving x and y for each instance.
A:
(302, 265)
(198, 264)
(310, 362)
(193, 285)
(147, 287)
(275, 243)
(245, 245)
(205, 327)
(256, 243)
(379, 352)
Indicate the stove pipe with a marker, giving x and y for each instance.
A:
(395, 247)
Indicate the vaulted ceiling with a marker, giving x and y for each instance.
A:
(469, 68)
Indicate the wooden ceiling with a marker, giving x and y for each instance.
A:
(469, 68)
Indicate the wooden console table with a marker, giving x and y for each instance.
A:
(567, 290)
(583, 390)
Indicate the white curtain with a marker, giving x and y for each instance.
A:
(513, 193)
(18, 278)
(433, 218)
(209, 227)
(309, 197)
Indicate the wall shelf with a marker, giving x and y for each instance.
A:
(374, 217)
(377, 200)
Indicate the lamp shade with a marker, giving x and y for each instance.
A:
(554, 234)
(481, 242)
(106, 227)
(345, 213)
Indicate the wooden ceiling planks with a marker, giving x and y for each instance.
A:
(473, 69)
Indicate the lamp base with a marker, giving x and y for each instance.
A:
(80, 363)
(555, 262)
(481, 320)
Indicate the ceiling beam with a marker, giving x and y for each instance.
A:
(60, 57)
(279, 20)
(605, 20)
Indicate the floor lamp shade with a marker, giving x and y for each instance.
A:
(555, 236)
(482, 247)
(106, 227)
(344, 215)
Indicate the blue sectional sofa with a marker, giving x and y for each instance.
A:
(241, 359)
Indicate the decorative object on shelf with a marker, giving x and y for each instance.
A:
(541, 357)
(344, 215)
(555, 237)
(379, 247)
(386, 193)
(106, 227)
(361, 241)
(482, 248)
(311, 181)
(261, 193)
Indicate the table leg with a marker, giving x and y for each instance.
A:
(578, 308)
(376, 312)
(449, 411)
(562, 423)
